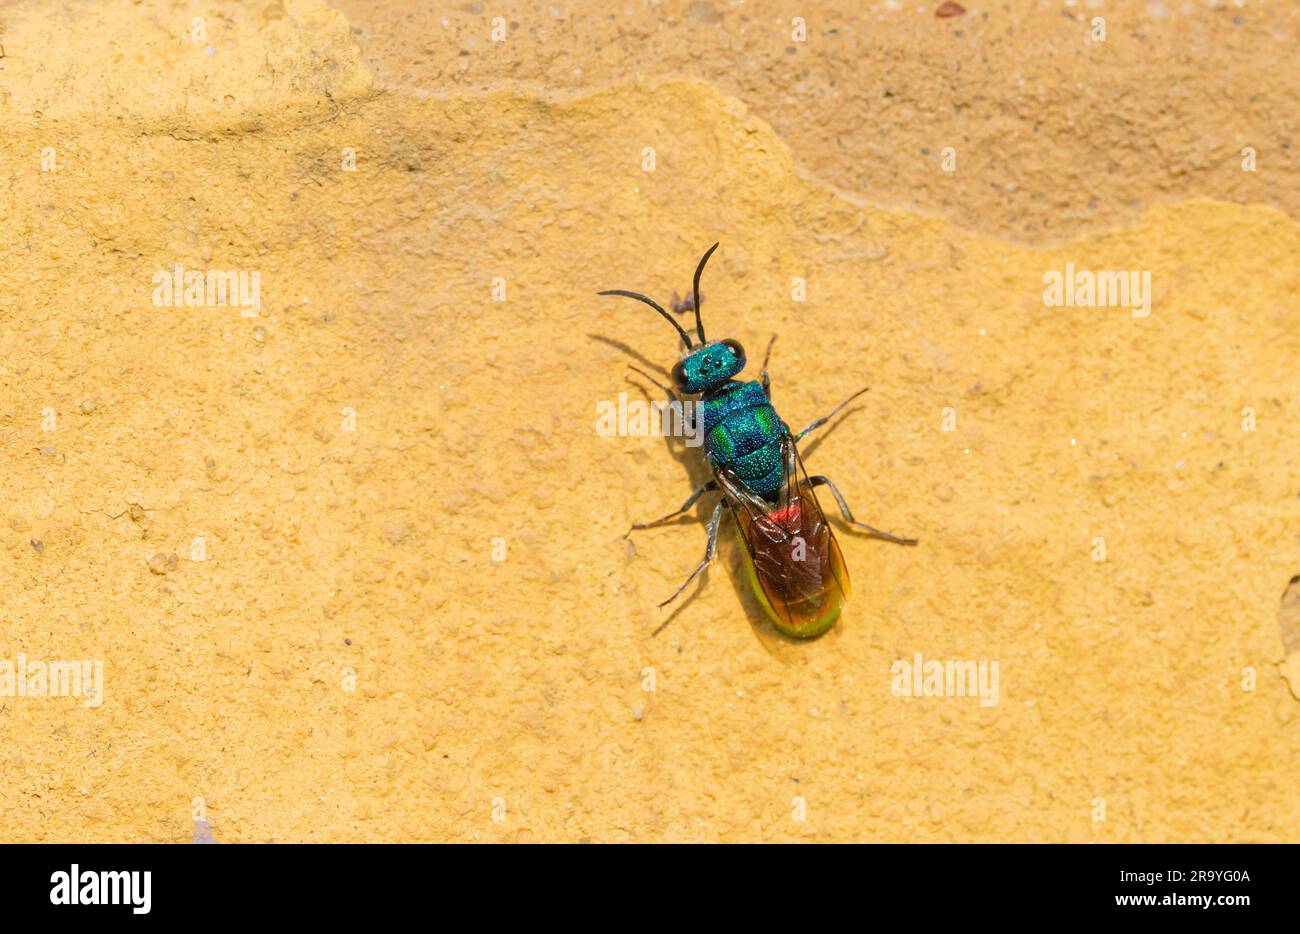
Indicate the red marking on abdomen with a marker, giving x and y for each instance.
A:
(788, 516)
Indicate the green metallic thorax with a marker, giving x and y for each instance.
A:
(743, 432)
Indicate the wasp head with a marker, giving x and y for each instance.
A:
(708, 367)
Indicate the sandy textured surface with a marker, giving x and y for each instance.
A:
(418, 618)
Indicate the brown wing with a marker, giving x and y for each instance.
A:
(795, 563)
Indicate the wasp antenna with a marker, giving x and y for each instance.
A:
(699, 323)
(686, 338)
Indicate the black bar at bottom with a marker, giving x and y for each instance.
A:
(334, 883)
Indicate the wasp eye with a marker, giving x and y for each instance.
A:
(734, 347)
(679, 375)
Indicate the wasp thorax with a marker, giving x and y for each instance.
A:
(709, 366)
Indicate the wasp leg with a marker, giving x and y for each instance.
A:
(711, 485)
(848, 516)
(835, 411)
(767, 383)
(709, 551)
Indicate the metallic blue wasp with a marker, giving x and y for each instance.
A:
(793, 561)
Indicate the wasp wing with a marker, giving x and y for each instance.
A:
(795, 562)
